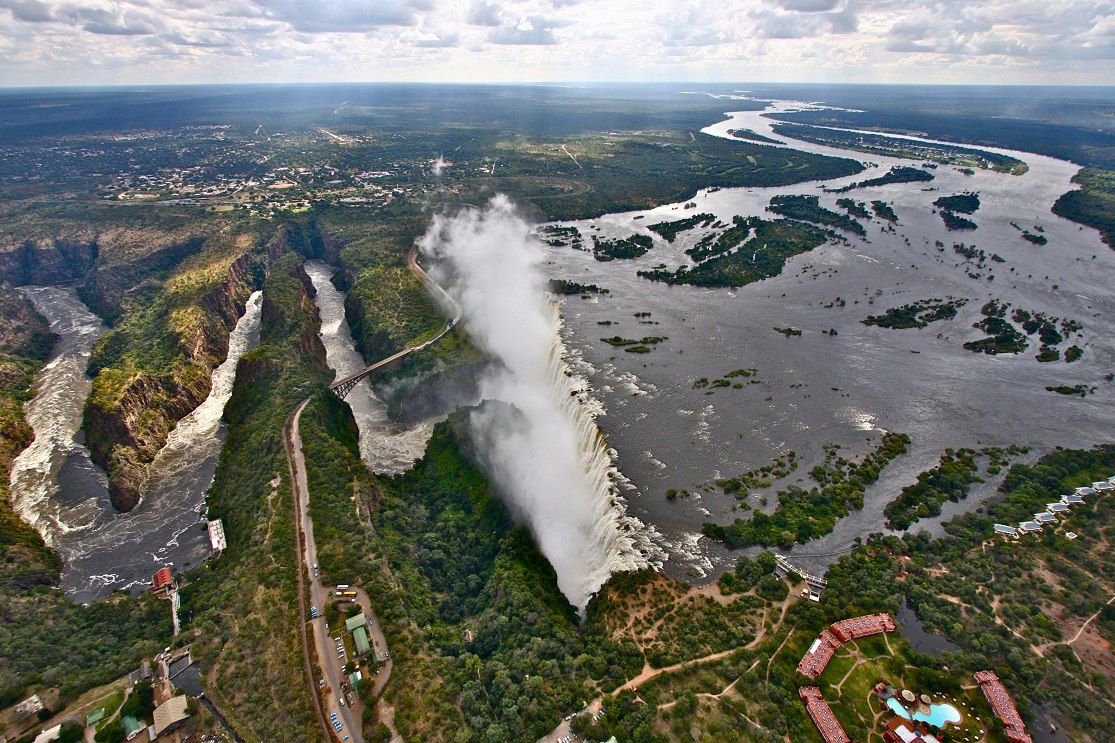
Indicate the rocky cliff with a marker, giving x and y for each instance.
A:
(156, 366)
(25, 340)
(48, 261)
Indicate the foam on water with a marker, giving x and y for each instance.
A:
(384, 446)
(167, 526)
(55, 415)
(57, 489)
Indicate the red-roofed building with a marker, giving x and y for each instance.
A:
(823, 718)
(1003, 706)
(163, 580)
(817, 657)
(853, 629)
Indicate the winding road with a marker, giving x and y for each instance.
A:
(327, 702)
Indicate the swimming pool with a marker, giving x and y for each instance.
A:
(939, 714)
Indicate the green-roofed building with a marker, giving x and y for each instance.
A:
(357, 621)
(360, 637)
(95, 716)
(132, 727)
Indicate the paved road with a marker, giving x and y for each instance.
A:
(331, 666)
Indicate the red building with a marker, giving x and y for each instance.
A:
(163, 580)
(853, 629)
(817, 657)
(1002, 706)
(823, 718)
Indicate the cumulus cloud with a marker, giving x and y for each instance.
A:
(439, 42)
(339, 16)
(114, 22)
(484, 14)
(808, 6)
(29, 11)
(993, 40)
(533, 31)
(801, 19)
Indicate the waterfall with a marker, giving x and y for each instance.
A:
(623, 542)
(546, 456)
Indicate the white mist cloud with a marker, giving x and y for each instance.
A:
(541, 449)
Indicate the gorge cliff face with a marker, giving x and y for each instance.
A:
(148, 378)
(25, 341)
(48, 260)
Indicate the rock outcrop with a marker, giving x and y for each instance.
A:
(132, 409)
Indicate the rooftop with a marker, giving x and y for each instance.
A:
(865, 626)
(131, 726)
(170, 712)
(360, 637)
(1003, 706)
(822, 716)
(817, 657)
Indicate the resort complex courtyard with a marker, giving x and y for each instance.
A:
(864, 676)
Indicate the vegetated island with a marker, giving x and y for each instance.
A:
(891, 146)
(716, 243)
(897, 174)
(625, 248)
(917, 314)
(802, 515)
(760, 477)
(670, 230)
(1034, 238)
(573, 288)
(731, 264)
(752, 136)
(855, 208)
(1004, 338)
(561, 237)
(1079, 390)
(809, 209)
(884, 211)
(951, 479)
(966, 203)
(728, 380)
(1093, 204)
(643, 345)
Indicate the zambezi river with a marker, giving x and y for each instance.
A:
(59, 491)
(840, 382)
(384, 447)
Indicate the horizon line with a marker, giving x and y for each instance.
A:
(538, 83)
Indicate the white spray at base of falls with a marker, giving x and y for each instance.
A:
(542, 449)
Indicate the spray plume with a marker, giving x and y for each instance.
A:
(542, 448)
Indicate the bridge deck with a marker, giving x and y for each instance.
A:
(342, 387)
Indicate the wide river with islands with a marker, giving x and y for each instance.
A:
(815, 389)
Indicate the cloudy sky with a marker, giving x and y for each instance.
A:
(77, 42)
